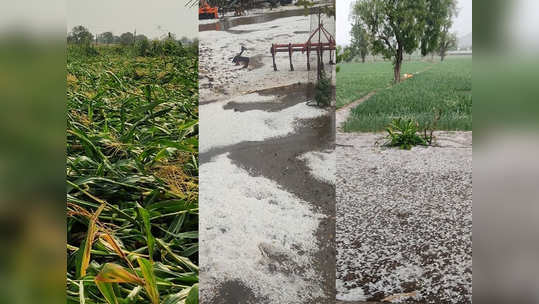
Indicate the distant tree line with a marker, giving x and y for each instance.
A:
(141, 44)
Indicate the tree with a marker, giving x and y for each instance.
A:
(185, 41)
(126, 38)
(347, 54)
(328, 10)
(106, 37)
(338, 53)
(80, 35)
(141, 37)
(142, 46)
(360, 41)
(437, 21)
(398, 27)
(447, 42)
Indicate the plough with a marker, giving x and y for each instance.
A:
(307, 47)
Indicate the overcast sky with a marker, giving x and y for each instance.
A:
(151, 18)
(462, 23)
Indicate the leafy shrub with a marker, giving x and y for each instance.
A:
(403, 133)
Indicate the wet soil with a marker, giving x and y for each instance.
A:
(235, 292)
(287, 96)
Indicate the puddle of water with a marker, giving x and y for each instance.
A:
(286, 97)
(226, 23)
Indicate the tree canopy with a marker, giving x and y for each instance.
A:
(80, 34)
(447, 42)
(106, 37)
(126, 38)
(398, 27)
(360, 41)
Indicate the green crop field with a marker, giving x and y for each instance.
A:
(356, 80)
(132, 175)
(444, 88)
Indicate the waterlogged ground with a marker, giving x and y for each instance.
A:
(404, 220)
(266, 190)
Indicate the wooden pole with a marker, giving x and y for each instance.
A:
(273, 56)
(290, 56)
(308, 56)
(318, 62)
(321, 58)
(319, 52)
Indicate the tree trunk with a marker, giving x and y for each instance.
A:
(398, 64)
(363, 59)
(397, 72)
(442, 56)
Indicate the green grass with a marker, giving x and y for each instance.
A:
(446, 87)
(132, 176)
(356, 80)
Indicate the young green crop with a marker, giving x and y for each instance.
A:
(444, 90)
(355, 80)
(132, 177)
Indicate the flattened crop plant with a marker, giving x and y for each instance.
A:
(132, 175)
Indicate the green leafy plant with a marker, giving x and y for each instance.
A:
(403, 133)
(323, 90)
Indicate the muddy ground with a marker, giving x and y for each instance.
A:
(267, 212)
(404, 220)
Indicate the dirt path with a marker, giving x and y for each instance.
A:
(341, 115)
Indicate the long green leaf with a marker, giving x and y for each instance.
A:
(192, 297)
(179, 259)
(107, 291)
(146, 268)
(145, 216)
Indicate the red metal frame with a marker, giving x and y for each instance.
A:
(306, 47)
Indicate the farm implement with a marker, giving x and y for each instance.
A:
(308, 47)
(206, 11)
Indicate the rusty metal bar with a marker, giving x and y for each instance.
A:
(273, 55)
